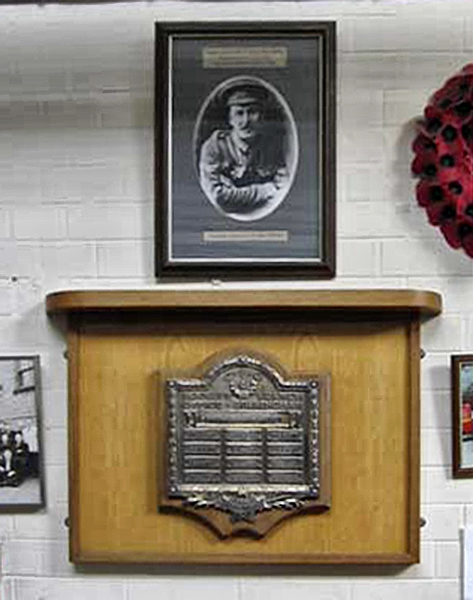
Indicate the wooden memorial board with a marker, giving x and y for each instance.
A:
(123, 346)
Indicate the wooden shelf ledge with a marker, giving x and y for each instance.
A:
(426, 304)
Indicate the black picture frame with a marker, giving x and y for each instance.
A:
(230, 206)
(21, 448)
(462, 411)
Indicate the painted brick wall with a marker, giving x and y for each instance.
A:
(76, 181)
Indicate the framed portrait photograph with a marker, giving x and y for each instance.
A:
(245, 149)
(462, 411)
(21, 479)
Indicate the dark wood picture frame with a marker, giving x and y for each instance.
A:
(462, 424)
(199, 67)
(22, 486)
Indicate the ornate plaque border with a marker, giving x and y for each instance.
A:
(254, 508)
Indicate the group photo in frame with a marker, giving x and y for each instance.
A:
(245, 149)
(21, 477)
(462, 414)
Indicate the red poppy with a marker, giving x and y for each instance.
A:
(425, 164)
(454, 89)
(435, 213)
(468, 69)
(450, 233)
(422, 143)
(467, 245)
(428, 194)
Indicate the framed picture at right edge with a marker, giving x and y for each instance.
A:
(245, 149)
(462, 411)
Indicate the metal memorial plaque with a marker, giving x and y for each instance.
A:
(245, 445)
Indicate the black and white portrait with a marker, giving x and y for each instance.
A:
(246, 148)
(20, 456)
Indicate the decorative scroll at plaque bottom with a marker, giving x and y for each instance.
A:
(246, 446)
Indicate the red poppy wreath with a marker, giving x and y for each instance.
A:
(444, 160)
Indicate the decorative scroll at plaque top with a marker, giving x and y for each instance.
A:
(244, 444)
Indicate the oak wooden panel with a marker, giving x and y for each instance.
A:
(114, 438)
(424, 303)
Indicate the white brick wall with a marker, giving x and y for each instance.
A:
(442, 522)
(76, 211)
(59, 589)
(210, 588)
(280, 589)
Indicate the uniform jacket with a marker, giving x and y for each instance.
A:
(240, 181)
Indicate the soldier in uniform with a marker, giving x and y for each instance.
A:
(243, 167)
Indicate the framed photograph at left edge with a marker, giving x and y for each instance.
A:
(21, 458)
(245, 150)
(462, 412)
